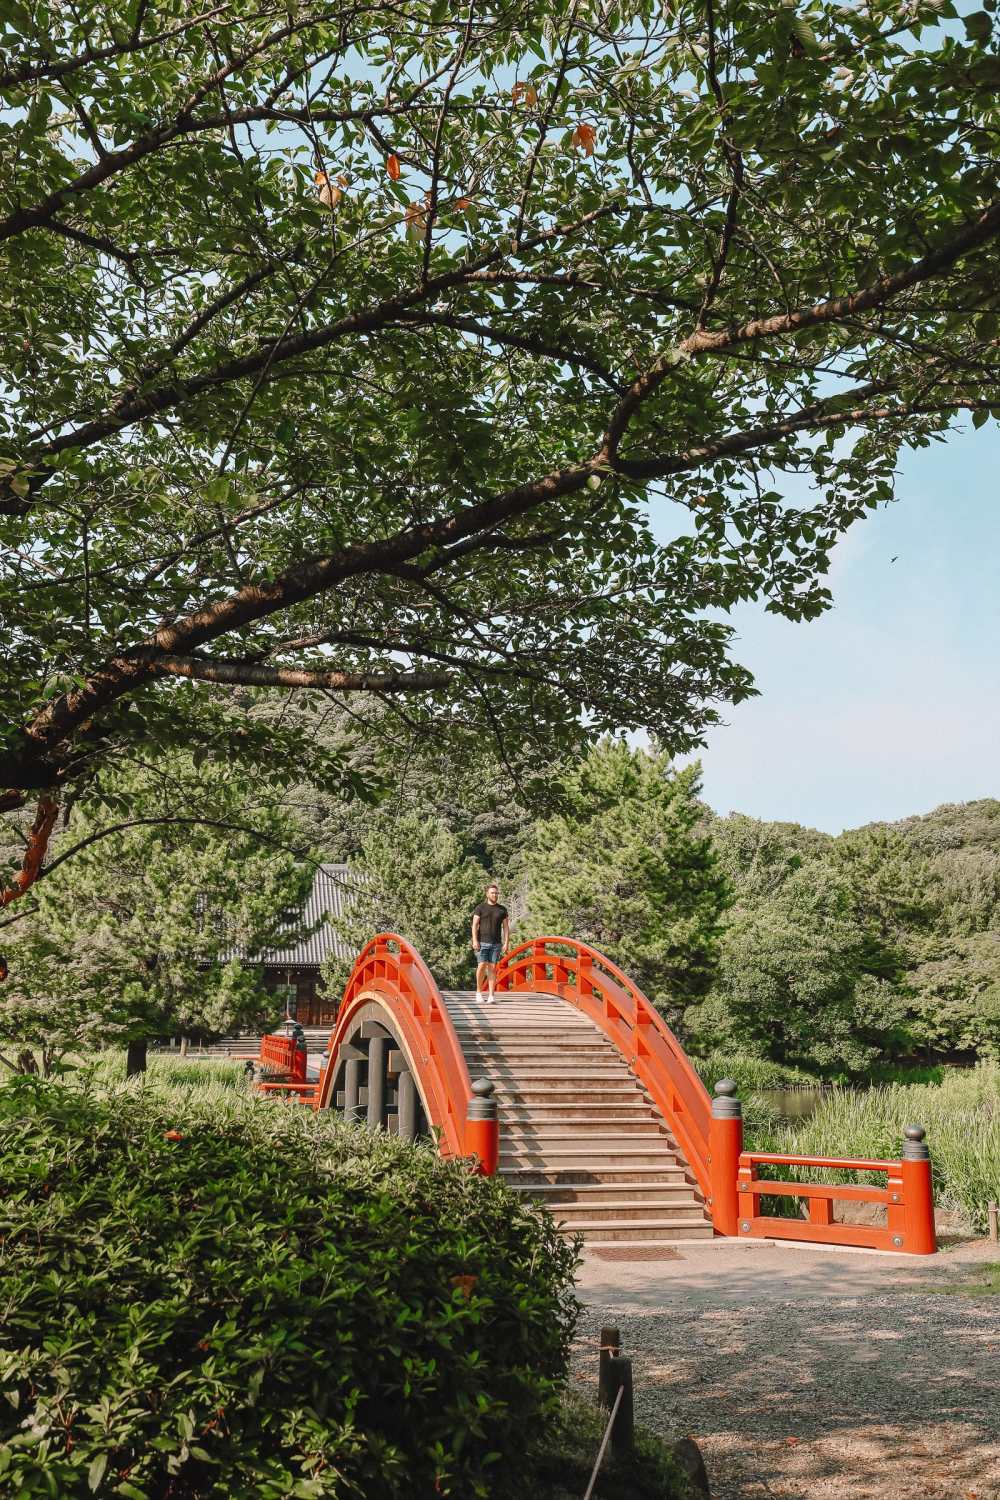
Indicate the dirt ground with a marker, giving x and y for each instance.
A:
(814, 1374)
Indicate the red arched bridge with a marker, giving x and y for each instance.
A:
(576, 1092)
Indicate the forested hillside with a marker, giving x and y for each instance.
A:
(881, 944)
(841, 955)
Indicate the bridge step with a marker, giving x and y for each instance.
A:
(583, 1107)
(553, 1132)
(527, 1095)
(578, 1133)
(646, 1173)
(598, 1233)
(645, 1213)
(597, 1162)
(586, 1195)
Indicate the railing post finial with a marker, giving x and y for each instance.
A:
(725, 1105)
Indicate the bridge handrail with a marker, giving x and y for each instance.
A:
(283, 1053)
(391, 968)
(609, 998)
(907, 1197)
(832, 1163)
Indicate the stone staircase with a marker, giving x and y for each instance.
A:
(577, 1130)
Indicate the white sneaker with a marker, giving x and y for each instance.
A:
(481, 998)
(489, 999)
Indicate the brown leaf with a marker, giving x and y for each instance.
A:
(583, 139)
(393, 168)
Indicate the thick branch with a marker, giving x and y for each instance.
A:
(253, 674)
(38, 842)
(836, 310)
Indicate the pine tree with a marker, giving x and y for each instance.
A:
(624, 868)
(413, 878)
(135, 935)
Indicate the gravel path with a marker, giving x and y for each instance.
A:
(795, 1389)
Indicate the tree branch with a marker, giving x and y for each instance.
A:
(38, 842)
(253, 674)
(836, 309)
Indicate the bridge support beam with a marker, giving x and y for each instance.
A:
(407, 1089)
(352, 1090)
(377, 1049)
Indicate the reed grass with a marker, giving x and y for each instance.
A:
(753, 1075)
(961, 1116)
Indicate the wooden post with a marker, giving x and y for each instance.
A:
(918, 1194)
(407, 1106)
(623, 1430)
(135, 1057)
(610, 1348)
(377, 1049)
(352, 1089)
(992, 1214)
(725, 1142)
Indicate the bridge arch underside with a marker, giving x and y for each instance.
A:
(376, 1079)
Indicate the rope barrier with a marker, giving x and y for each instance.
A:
(604, 1443)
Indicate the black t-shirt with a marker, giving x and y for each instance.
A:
(491, 918)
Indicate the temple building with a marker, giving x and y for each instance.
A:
(293, 973)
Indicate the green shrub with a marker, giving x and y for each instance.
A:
(961, 1116)
(265, 1307)
(561, 1469)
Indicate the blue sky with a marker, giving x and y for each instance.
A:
(889, 704)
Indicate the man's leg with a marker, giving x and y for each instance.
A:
(481, 972)
(491, 975)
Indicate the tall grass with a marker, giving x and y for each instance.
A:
(753, 1075)
(961, 1116)
(161, 1067)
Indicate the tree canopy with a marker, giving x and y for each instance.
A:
(625, 868)
(152, 929)
(344, 345)
(846, 953)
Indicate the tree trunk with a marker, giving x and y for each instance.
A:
(135, 1058)
(184, 1046)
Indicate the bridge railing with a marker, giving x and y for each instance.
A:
(390, 971)
(907, 1196)
(597, 987)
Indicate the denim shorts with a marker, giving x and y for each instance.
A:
(488, 953)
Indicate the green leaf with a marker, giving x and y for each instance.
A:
(96, 1472)
(804, 34)
(217, 491)
(978, 26)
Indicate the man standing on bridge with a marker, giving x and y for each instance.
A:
(490, 934)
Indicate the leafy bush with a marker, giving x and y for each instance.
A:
(211, 1296)
(561, 1469)
(961, 1116)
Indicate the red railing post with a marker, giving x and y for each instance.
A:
(482, 1127)
(725, 1142)
(297, 1071)
(918, 1194)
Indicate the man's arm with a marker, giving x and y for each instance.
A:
(505, 933)
(475, 929)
